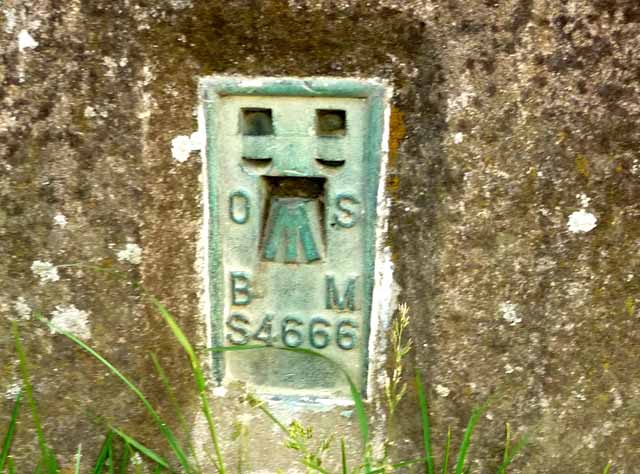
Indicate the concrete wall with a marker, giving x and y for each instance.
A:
(514, 185)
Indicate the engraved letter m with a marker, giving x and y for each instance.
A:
(333, 298)
(288, 222)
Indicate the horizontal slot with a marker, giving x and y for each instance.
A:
(330, 163)
(254, 160)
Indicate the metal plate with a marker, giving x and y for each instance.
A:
(293, 171)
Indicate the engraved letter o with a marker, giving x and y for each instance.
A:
(239, 207)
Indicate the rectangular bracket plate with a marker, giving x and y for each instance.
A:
(292, 172)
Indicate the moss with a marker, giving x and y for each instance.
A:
(630, 306)
(397, 132)
(582, 166)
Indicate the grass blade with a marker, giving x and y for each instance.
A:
(466, 439)
(110, 459)
(426, 425)
(445, 454)
(78, 459)
(314, 466)
(176, 406)
(49, 462)
(260, 405)
(142, 448)
(507, 446)
(11, 469)
(198, 375)
(166, 431)
(607, 468)
(512, 453)
(343, 457)
(124, 460)
(103, 454)
(11, 429)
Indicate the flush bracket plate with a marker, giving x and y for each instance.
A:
(293, 171)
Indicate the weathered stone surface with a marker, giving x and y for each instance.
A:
(508, 118)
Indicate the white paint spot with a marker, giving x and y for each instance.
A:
(12, 391)
(442, 391)
(219, 391)
(182, 146)
(25, 40)
(46, 271)
(509, 313)
(458, 138)
(131, 253)
(581, 221)
(60, 220)
(71, 319)
(22, 309)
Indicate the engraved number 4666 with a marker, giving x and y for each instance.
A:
(294, 332)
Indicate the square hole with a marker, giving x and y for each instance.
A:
(331, 123)
(257, 122)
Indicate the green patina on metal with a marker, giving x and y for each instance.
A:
(293, 172)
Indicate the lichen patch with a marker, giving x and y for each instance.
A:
(71, 319)
(509, 312)
(22, 309)
(45, 271)
(581, 222)
(60, 220)
(442, 391)
(131, 253)
(12, 391)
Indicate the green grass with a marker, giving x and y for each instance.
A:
(119, 448)
(11, 429)
(48, 463)
(426, 426)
